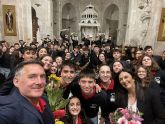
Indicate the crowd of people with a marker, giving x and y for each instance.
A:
(94, 74)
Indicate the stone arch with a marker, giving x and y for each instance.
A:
(111, 21)
(69, 17)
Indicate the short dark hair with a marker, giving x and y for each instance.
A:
(96, 46)
(33, 43)
(85, 49)
(116, 50)
(71, 65)
(147, 47)
(77, 47)
(87, 73)
(27, 48)
(20, 66)
(16, 44)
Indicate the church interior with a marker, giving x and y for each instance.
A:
(82, 61)
(128, 22)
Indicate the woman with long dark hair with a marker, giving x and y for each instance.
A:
(137, 58)
(47, 64)
(41, 51)
(157, 73)
(74, 112)
(135, 98)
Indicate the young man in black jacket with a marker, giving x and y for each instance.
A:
(85, 90)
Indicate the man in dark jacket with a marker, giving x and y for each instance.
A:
(162, 61)
(25, 104)
(85, 90)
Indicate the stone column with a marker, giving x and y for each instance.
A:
(57, 17)
(122, 24)
(1, 38)
(44, 10)
(1, 23)
(134, 25)
(24, 20)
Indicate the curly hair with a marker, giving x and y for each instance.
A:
(147, 80)
(154, 66)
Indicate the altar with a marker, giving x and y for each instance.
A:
(89, 25)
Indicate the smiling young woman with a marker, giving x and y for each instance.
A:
(74, 112)
(135, 97)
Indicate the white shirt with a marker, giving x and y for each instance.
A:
(133, 107)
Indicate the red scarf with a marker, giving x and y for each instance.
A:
(90, 96)
(153, 72)
(110, 87)
(41, 106)
(79, 120)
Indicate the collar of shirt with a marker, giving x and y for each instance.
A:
(90, 96)
(41, 106)
(110, 87)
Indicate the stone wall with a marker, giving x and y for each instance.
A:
(138, 21)
(23, 20)
(49, 13)
(44, 12)
(1, 22)
(100, 6)
(143, 24)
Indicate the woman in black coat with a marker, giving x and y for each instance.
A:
(139, 99)
(157, 73)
